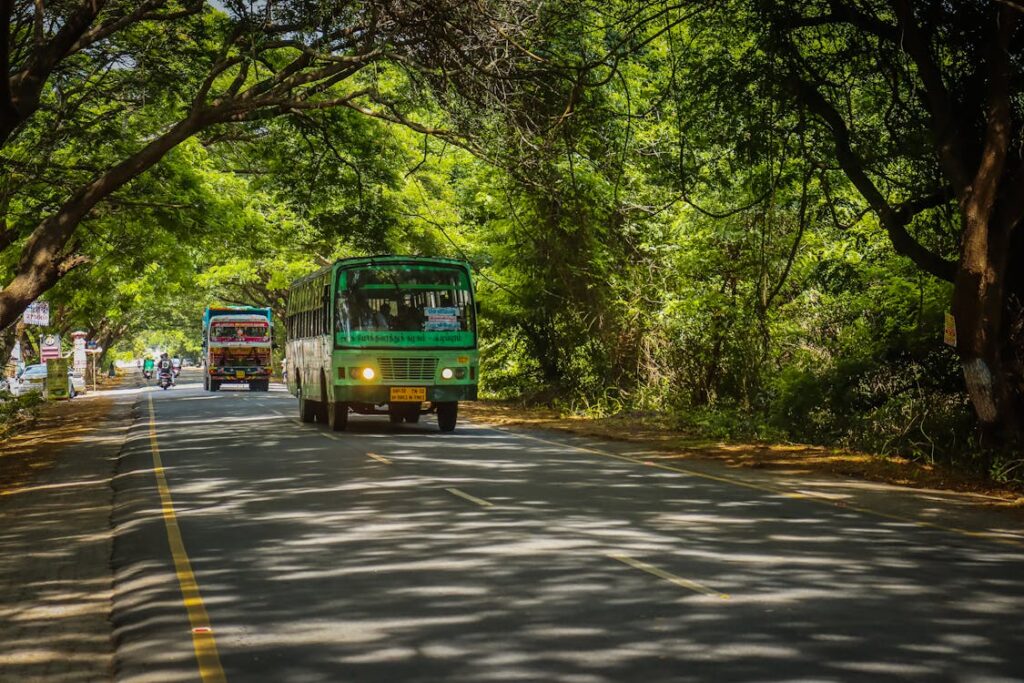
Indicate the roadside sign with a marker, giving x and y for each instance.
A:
(49, 347)
(79, 353)
(57, 379)
(949, 333)
(37, 313)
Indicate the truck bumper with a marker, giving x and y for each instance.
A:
(228, 375)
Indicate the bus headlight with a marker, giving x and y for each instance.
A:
(368, 374)
(447, 373)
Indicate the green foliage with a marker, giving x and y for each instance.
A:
(16, 409)
(653, 223)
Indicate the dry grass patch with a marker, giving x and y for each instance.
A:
(34, 448)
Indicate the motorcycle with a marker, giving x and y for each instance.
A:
(165, 380)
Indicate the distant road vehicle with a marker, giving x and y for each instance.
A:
(237, 344)
(34, 379)
(383, 335)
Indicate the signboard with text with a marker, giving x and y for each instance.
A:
(78, 355)
(37, 313)
(949, 333)
(57, 379)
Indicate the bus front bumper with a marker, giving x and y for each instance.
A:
(379, 394)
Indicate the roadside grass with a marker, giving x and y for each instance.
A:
(18, 412)
(661, 433)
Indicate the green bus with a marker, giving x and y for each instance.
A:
(377, 335)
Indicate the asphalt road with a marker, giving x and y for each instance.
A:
(396, 553)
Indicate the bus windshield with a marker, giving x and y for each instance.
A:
(405, 305)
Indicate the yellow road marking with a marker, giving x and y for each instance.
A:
(379, 458)
(202, 634)
(473, 499)
(807, 495)
(668, 576)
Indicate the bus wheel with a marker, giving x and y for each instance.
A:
(395, 414)
(337, 416)
(214, 385)
(447, 415)
(307, 409)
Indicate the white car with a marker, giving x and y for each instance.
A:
(34, 379)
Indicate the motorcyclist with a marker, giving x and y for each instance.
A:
(164, 366)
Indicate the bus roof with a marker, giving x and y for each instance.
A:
(382, 259)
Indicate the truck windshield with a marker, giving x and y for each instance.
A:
(400, 305)
(238, 332)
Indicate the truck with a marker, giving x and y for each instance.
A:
(237, 343)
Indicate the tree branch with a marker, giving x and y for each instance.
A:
(894, 223)
(940, 103)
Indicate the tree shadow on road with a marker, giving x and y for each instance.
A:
(317, 562)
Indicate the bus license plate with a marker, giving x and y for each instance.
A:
(240, 374)
(408, 393)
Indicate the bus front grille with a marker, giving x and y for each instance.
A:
(407, 368)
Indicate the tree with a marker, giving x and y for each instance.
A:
(167, 70)
(921, 105)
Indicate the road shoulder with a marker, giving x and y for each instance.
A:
(966, 514)
(55, 509)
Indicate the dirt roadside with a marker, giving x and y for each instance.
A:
(33, 448)
(56, 585)
(670, 444)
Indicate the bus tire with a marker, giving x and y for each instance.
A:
(337, 416)
(307, 408)
(447, 415)
(214, 385)
(395, 415)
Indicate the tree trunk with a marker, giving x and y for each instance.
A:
(979, 308)
(7, 340)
